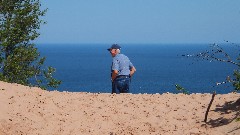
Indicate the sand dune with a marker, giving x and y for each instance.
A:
(32, 111)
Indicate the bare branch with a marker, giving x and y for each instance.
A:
(217, 53)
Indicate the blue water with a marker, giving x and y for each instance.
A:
(86, 68)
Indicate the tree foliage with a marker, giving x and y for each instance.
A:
(20, 61)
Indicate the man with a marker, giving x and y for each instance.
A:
(122, 70)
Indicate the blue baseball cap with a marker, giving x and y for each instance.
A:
(114, 46)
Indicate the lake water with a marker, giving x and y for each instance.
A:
(86, 68)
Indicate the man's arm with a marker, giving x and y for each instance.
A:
(114, 74)
(132, 71)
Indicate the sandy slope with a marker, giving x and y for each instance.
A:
(32, 111)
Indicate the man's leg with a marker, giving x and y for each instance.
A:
(126, 86)
(115, 88)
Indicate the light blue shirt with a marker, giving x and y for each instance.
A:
(122, 64)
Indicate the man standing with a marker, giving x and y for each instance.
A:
(121, 71)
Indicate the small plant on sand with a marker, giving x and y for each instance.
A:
(181, 89)
(238, 119)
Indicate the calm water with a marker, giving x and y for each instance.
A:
(86, 68)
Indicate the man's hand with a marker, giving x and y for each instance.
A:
(114, 75)
(132, 71)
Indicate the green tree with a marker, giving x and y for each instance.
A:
(20, 61)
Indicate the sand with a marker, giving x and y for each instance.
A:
(32, 111)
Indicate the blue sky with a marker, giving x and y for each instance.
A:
(140, 21)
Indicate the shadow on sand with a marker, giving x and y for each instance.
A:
(231, 107)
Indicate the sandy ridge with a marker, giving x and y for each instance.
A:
(26, 111)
